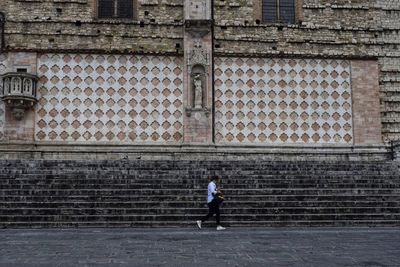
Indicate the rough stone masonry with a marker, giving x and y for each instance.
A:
(330, 78)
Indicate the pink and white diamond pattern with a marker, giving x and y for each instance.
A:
(275, 101)
(110, 98)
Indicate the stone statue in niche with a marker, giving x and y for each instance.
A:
(198, 91)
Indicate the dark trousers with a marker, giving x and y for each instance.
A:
(213, 208)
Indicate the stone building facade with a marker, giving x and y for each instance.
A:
(200, 73)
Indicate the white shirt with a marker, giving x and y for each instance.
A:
(212, 188)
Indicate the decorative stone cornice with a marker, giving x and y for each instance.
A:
(198, 28)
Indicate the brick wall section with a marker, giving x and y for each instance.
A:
(197, 129)
(19, 130)
(36, 25)
(340, 29)
(366, 108)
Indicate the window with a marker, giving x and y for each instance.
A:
(122, 9)
(281, 11)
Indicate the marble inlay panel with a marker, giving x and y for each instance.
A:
(110, 98)
(277, 101)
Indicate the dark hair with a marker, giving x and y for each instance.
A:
(214, 178)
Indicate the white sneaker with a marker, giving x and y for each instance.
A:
(219, 228)
(198, 224)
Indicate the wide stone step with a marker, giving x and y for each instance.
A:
(179, 174)
(179, 192)
(160, 163)
(190, 204)
(255, 212)
(193, 217)
(120, 193)
(187, 179)
(210, 224)
(201, 197)
(167, 186)
(199, 175)
(65, 184)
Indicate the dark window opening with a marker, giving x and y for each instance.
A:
(279, 11)
(108, 9)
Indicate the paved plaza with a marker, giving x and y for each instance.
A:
(322, 247)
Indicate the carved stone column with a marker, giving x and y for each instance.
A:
(198, 72)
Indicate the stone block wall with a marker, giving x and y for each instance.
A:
(325, 29)
(71, 25)
(337, 29)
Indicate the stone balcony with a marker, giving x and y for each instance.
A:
(19, 92)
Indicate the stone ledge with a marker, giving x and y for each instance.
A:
(25, 150)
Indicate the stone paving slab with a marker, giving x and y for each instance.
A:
(322, 247)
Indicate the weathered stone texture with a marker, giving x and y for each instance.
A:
(19, 130)
(36, 25)
(154, 193)
(337, 29)
(366, 109)
(198, 99)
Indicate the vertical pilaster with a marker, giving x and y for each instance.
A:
(366, 107)
(198, 72)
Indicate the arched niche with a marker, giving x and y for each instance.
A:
(198, 86)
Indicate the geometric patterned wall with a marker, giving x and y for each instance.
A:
(110, 98)
(275, 101)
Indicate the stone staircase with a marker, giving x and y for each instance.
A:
(164, 193)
